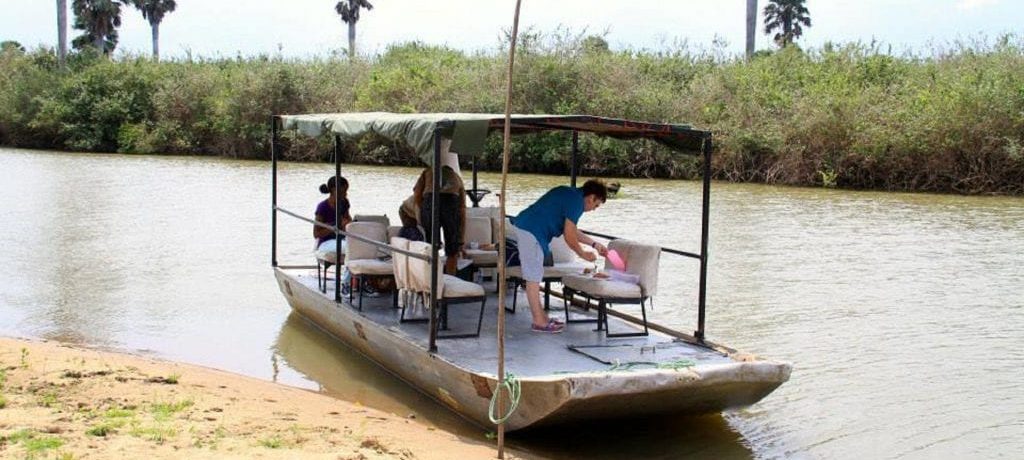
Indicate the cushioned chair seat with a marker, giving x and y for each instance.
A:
(455, 287)
(370, 267)
(558, 270)
(605, 288)
(481, 257)
(328, 256)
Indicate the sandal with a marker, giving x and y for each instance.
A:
(552, 327)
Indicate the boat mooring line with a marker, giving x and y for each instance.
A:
(511, 386)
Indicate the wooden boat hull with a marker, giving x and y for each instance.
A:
(546, 399)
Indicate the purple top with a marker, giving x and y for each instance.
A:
(325, 214)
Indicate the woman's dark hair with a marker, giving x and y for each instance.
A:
(331, 184)
(595, 187)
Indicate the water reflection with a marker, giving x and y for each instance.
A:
(343, 373)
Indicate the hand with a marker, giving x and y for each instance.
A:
(588, 256)
(601, 249)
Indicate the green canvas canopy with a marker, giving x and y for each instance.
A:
(468, 131)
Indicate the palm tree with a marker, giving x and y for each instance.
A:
(751, 26)
(99, 20)
(154, 11)
(62, 32)
(788, 16)
(349, 11)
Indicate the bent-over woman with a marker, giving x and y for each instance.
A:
(451, 211)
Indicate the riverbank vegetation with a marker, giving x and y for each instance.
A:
(851, 116)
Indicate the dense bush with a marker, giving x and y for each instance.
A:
(840, 116)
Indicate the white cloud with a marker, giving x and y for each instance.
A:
(974, 4)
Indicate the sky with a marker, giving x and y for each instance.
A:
(304, 28)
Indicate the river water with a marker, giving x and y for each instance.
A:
(903, 314)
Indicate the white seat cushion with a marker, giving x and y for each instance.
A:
(370, 267)
(481, 257)
(605, 288)
(455, 287)
(555, 271)
(328, 256)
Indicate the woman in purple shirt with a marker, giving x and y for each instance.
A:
(325, 213)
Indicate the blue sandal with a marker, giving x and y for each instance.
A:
(552, 327)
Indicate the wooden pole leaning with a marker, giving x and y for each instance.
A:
(502, 285)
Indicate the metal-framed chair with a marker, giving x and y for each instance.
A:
(451, 290)
(364, 260)
(641, 261)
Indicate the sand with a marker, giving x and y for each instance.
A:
(65, 402)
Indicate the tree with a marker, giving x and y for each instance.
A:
(62, 32)
(751, 27)
(99, 20)
(349, 11)
(154, 11)
(788, 17)
(11, 45)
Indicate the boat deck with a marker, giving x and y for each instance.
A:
(531, 354)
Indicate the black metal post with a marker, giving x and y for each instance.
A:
(435, 238)
(476, 202)
(575, 151)
(273, 190)
(704, 224)
(337, 220)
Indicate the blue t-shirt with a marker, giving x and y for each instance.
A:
(545, 218)
(325, 212)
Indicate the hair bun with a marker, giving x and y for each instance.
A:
(324, 189)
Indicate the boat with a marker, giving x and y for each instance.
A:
(580, 374)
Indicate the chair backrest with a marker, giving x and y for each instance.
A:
(380, 219)
(491, 212)
(478, 229)
(393, 231)
(641, 260)
(361, 250)
(419, 270)
(400, 262)
(560, 251)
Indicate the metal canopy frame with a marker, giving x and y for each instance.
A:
(524, 125)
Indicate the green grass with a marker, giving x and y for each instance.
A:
(164, 411)
(272, 443)
(118, 413)
(48, 399)
(101, 430)
(157, 434)
(3, 401)
(34, 442)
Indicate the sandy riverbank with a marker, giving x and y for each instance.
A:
(59, 401)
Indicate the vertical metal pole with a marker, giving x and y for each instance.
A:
(476, 202)
(273, 190)
(575, 152)
(337, 220)
(435, 238)
(704, 224)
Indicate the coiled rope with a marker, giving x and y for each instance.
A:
(510, 385)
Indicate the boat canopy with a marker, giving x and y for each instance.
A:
(468, 131)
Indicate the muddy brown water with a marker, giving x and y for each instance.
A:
(902, 313)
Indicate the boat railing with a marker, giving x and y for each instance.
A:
(663, 249)
(337, 231)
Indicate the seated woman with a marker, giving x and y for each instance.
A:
(408, 214)
(451, 211)
(325, 213)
